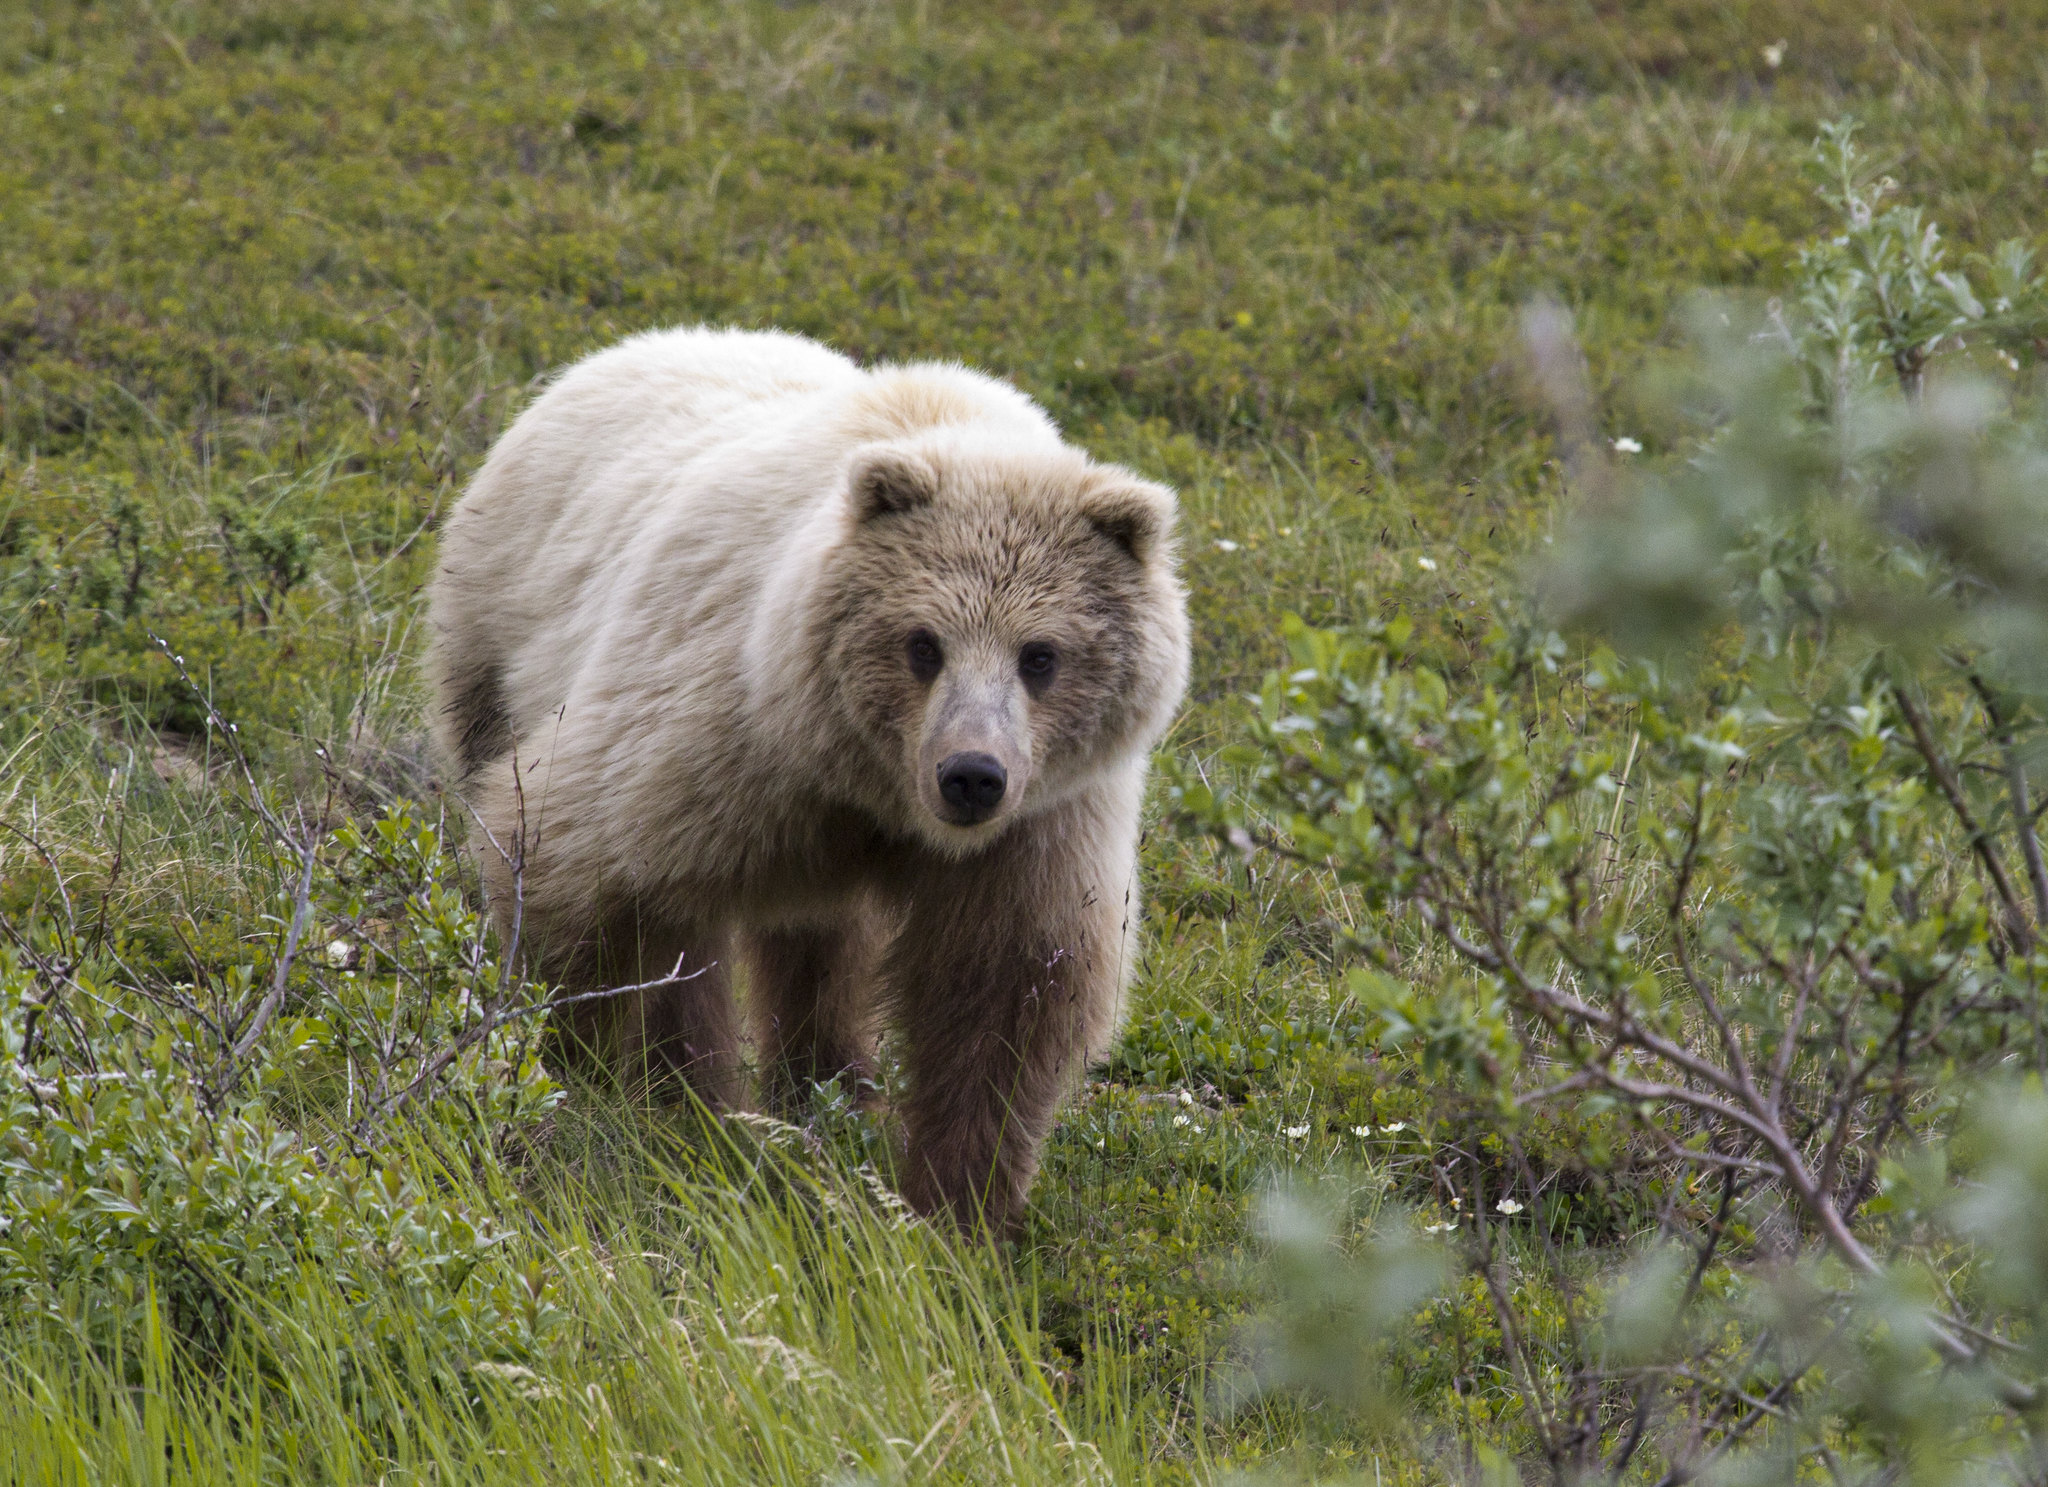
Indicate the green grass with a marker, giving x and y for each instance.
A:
(763, 1321)
(273, 274)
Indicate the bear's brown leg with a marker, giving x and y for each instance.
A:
(1006, 978)
(661, 1038)
(807, 991)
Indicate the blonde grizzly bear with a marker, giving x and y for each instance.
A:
(742, 653)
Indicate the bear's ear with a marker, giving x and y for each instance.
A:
(1134, 514)
(886, 479)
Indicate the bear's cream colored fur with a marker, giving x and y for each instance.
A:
(714, 626)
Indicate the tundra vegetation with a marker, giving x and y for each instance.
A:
(1590, 1019)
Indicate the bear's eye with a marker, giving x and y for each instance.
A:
(1036, 663)
(926, 658)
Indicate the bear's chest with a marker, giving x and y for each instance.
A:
(802, 860)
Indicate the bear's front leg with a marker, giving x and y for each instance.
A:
(666, 1036)
(807, 988)
(1006, 978)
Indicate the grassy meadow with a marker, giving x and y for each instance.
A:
(275, 273)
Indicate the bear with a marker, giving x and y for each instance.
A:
(746, 657)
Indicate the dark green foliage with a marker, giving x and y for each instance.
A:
(1163, 1049)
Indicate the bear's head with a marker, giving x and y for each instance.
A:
(1006, 624)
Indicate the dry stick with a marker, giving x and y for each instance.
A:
(1574, 1296)
(36, 846)
(675, 977)
(99, 933)
(1787, 1160)
(230, 735)
(1788, 1042)
(470, 1039)
(494, 1006)
(1703, 993)
(1832, 1224)
(2030, 841)
(1543, 1407)
(517, 862)
(1609, 866)
(1765, 1408)
(2016, 786)
(309, 849)
(302, 907)
(1910, 997)
(1543, 993)
(1980, 839)
(53, 974)
(1694, 1376)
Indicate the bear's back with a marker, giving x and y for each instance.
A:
(673, 386)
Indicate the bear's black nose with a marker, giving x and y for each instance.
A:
(972, 784)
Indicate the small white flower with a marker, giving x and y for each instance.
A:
(1224, 544)
(1626, 445)
(1361, 1131)
(1080, 365)
(1100, 1143)
(1774, 54)
(2009, 359)
(1186, 1098)
(1427, 565)
(56, 108)
(1507, 1205)
(338, 953)
(523, 1382)
(1180, 1120)
(1438, 1228)
(1295, 1133)
(1394, 1129)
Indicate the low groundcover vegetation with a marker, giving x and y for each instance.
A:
(1590, 1019)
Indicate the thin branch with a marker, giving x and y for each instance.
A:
(2015, 771)
(302, 907)
(490, 1023)
(1980, 839)
(675, 977)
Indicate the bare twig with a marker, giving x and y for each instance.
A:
(302, 907)
(492, 1021)
(1981, 841)
(2015, 771)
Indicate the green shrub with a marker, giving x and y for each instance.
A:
(1776, 902)
(191, 1147)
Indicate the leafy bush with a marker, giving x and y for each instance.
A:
(194, 1146)
(1777, 899)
